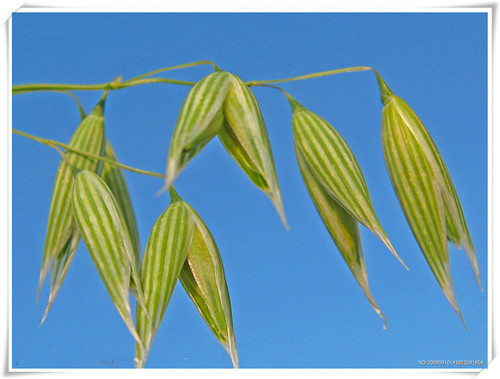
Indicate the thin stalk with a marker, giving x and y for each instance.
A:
(153, 80)
(77, 101)
(199, 63)
(310, 76)
(142, 79)
(65, 159)
(54, 144)
(288, 96)
(24, 88)
(293, 103)
(78, 104)
(385, 91)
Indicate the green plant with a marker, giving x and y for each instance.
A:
(91, 199)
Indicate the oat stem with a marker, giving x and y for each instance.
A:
(385, 91)
(193, 64)
(54, 144)
(143, 79)
(311, 76)
(23, 88)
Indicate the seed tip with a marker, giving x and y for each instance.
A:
(161, 191)
(52, 297)
(43, 273)
(278, 205)
(172, 172)
(285, 222)
(393, 251)
(463, 321)
(230, 348)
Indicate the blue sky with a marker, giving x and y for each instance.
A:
(295, 304)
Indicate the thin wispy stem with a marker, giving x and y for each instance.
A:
(192, 64)
(24, 88)
(144, 79)
(54, 144)
(310, 76)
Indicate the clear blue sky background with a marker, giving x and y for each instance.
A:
(295, 303)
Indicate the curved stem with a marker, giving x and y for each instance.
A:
(77, 101)
(129, 83)
(199, 63)
(288, 96)
(24, 88)
(55, 144)
(385, 91)
(310, 76)
(296, 106)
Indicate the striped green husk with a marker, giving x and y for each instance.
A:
(199, 121)
(456, 226)
(62, 234)
(114, 178)
(332, 163)
(163, 260)
(343, 228)
(244, 135)
(221, 104)
(425, 192)
(203, 279)
(104, 230)
(60, 269)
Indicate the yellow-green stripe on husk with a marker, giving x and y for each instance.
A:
(62, 234)
(199, 121)
(108, 241)
(163, 260)
(425, 191)
(334, 166)
(115, 179)
(343, 228)
(244, 136)
(204, 281)
(221, 104)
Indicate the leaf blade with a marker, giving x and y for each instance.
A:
(115, 179)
